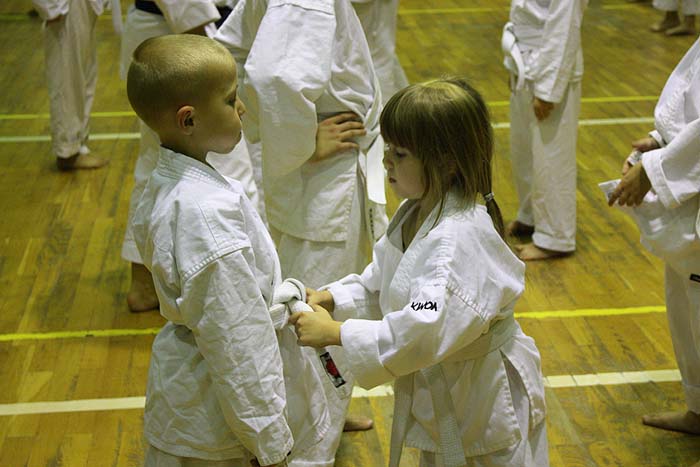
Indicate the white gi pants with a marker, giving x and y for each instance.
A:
(683, 313)
(157, 458)
(71, 75)
(685, 7)
(543, 156)
(141, 25)
(316, 264)
(531, 451)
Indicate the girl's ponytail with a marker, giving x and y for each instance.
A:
(495, 213)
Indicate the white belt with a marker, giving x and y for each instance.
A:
(450, 443)
(289, 297)
(513, 60)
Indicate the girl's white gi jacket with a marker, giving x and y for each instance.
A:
(216, 385)
(669, 218)
(447, 300)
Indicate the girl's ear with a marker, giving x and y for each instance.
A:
(185, 119)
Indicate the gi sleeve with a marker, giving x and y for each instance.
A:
(289, 67)
(437, 321)
(674, 170)
(223, 306)
(183, 16)
(561, 41)
(51, 9)
(357, 295)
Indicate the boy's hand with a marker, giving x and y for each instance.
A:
(632, 188)
(316, 329)
(542, 108)
(323, 299)
(335, 135)
(645, 144)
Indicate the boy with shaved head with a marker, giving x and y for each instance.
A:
(226, 387)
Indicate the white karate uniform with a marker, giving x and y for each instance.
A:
(178, 17)
(684, 7)
(216, 385)
(71, 69)
(548, 35)
(301, 61)
(428, 309)
(378, 18)
(669, 218)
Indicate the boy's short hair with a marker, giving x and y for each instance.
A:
(170, 71)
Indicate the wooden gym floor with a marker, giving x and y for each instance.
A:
(73, 359)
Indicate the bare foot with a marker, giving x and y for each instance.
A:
(686, 422)
(671, 20)
(142, 293)
(80, 161)
(357, 423)
(518, 229)
(531, 252)
(687, 28)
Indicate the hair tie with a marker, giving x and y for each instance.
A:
(488, 197)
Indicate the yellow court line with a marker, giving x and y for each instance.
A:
(594, 100)
(590, 312)
(77, 334)
(129, 113)
(581, 313)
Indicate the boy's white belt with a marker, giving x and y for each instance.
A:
(290, 297)
(450, 444)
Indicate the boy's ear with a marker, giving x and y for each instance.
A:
(185, 119)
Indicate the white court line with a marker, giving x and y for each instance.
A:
(496, 126)
(555, 382)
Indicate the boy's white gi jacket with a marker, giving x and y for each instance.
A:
(301, 61)
(447, 300)
(669, 217)
(216, 386)
(548, 37)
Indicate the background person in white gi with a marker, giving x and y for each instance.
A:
(217, 390)
(71, 76)
(679, 17)
(378, 18)
(668, 218)
(434, 310)
(144, 20)
(305, 62)
(542, 42)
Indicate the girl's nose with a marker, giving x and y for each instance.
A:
(241, 108)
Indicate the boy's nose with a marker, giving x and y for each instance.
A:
(241, 108)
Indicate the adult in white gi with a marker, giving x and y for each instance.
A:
(542, 42)
(144, 20)
(216, 386)
(669, 221)
(302, 61)
(679, 17)
(71, 76)
(425, 316)
(378, 18)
